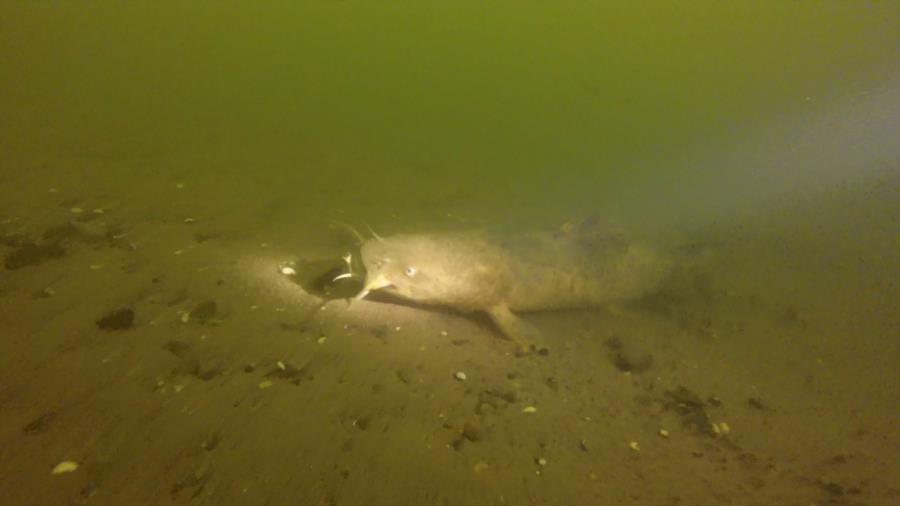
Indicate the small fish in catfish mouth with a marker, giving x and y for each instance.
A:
(474, 272)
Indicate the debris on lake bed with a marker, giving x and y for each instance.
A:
(204, 311)
(31, 254)
(66, 466)
(120, 319)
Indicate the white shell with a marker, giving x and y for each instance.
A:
(66, 466)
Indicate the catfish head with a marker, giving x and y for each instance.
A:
(460, 270)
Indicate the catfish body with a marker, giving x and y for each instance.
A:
(476, 271)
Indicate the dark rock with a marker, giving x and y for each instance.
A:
(628, 357)
(472, 432)
(121, 319)
(32, 254)
(691, 408)
(758, 404)
(404, 376)
(38, 425)
(204, 311)
(552, 383)
(180, 349)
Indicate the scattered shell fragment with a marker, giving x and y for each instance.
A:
(98, 211)
(461, 376)
(95, 267)
(178, 388)
(179, 185)
(634, 446)
(322, 340)
(529, 409)
(443, 332)
(189, 220)
(721, 428)
(287, 270)
(185, 316)
(281, 365)
(265, 384)
(52, 190)
(481, 466)
(541, 461)
(76, 210)
(66, 466)
(663, 433)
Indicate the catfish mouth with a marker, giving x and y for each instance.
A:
(379, 282)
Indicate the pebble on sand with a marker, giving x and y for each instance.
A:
(66, 466)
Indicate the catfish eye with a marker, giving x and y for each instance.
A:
(410, 271)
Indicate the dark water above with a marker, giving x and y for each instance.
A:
(162, 160)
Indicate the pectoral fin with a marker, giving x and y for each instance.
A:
(524, 334)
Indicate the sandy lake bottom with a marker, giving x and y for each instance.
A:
(150, 341)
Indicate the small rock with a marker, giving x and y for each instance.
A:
(628, 356)
(121, 319)
(472, 432)
(204, 311)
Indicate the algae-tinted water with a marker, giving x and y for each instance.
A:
(192, 152)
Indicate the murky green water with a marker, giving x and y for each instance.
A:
(182, 152)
